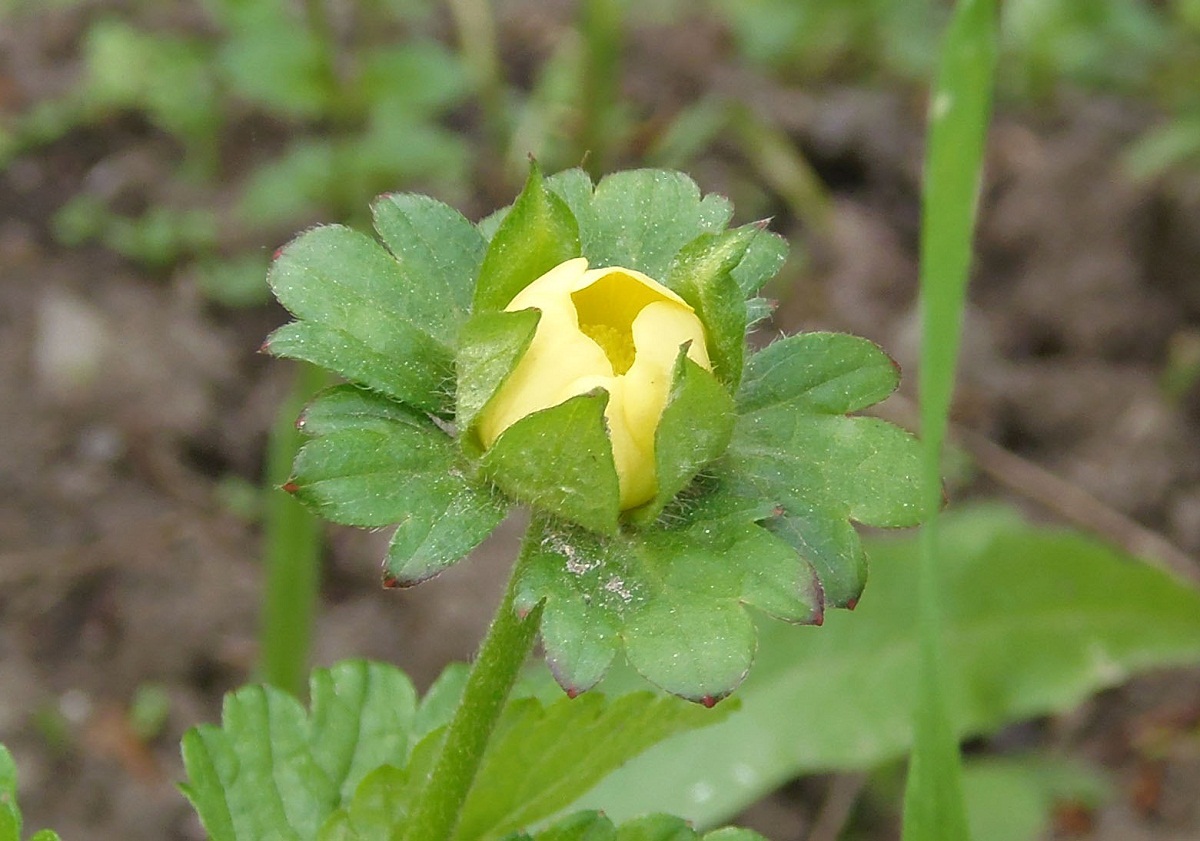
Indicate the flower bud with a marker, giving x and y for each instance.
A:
(609, 328)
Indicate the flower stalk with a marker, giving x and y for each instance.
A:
(502, 653)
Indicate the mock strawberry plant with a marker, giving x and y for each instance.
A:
(581, 353)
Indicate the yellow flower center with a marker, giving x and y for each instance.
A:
(606, 311)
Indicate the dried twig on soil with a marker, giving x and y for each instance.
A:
(1068, 501)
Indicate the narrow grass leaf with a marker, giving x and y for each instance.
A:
(959, 114)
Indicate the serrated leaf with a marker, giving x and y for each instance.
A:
(360, 310)
(376, 462)
(694, 429)
(830, 373)
(439, 253)
(377, 809)
(543, 758)
(672, 599)
(700, 273)
(271, 771)
(1036, 620)
(491, 345)
(641, 218)
(820, 471)
(536, 235)
(560, 459)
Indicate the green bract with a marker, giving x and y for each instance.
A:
(760, 469)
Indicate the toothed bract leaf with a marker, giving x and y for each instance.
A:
(375, 462)
(701, 274)
(794, 447)
(491, 345)
(537, 234)
(438, 248)
(544, 757)
(363, 315)
(672, 599)
(271, 770)
(641, 218)
(572, 441)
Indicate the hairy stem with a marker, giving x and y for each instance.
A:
(501, 655)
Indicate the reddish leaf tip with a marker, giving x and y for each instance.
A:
(709, 701)
(763, 224)
(290, 487)
(851, 603)
(391, 582)
(573, 693)
(265, 347)
(277, 253)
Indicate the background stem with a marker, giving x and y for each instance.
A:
(291, 549)
(501, 655)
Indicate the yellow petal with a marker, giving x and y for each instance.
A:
(658, 332)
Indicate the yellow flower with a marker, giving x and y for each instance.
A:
(611, 328)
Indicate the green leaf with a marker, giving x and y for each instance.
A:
(361, 313)
(1036, 620)
(672, 599)
(1014, 798)
(694, 429)
(959, 113)
(830, 373)
(491, 345)
(376, 462)
(542, 759)
(10, 813)
(821, 471)
(536, 235)
(595, 826)
(700, 273)
(439, 253)
(379, 806)
(279, 66)
(640, 219)
(763, 259)
(421, 76)
(560, 460)
(271, 771)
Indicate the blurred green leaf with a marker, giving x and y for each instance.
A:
(1036, 620)
(542, 759)
(595, 826)
(1013, 798)
(280, 66)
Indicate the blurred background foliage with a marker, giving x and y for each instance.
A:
(284, 112)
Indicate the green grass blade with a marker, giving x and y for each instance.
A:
(291, 550)
(959, 113)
